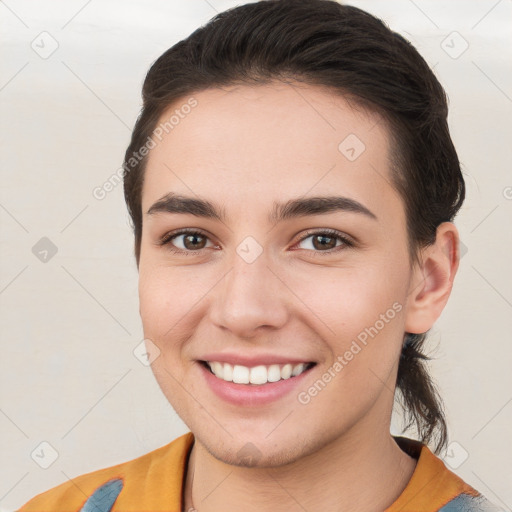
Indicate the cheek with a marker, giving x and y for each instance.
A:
(362, 323)
(166, 297)
(362, 314)
(173, 304)
(348, 300)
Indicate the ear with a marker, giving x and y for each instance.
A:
(432, 280)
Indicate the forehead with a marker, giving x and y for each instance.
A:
(246, 145)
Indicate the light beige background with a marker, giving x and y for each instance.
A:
(69, 325)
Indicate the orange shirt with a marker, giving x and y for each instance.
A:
(154, 483)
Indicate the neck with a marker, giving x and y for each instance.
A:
(347, 475)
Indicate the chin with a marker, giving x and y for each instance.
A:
(259, 453)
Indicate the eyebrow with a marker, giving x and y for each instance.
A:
(300, 207)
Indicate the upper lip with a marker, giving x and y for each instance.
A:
(254, 360)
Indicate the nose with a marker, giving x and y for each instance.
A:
(251, 297)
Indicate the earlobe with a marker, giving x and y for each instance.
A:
(432, 280)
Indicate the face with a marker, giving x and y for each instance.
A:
(265, 280)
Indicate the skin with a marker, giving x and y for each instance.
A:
(243, 148)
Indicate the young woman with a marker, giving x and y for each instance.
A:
(292, 185)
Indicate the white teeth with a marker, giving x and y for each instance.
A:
(227, 373)
(298, 369)
(286, 371)
(218, 369)
(273, 373)
(257, 375)
(240, 374)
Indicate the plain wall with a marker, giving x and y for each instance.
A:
(69, 325)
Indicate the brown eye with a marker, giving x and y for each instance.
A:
(325, 241)
(194, 241)
(185, 241)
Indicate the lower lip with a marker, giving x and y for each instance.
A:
(250, 394)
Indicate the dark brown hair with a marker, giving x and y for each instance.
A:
(321, 42)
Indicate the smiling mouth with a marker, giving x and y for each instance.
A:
(256, 375)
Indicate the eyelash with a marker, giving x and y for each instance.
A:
(166, 240)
